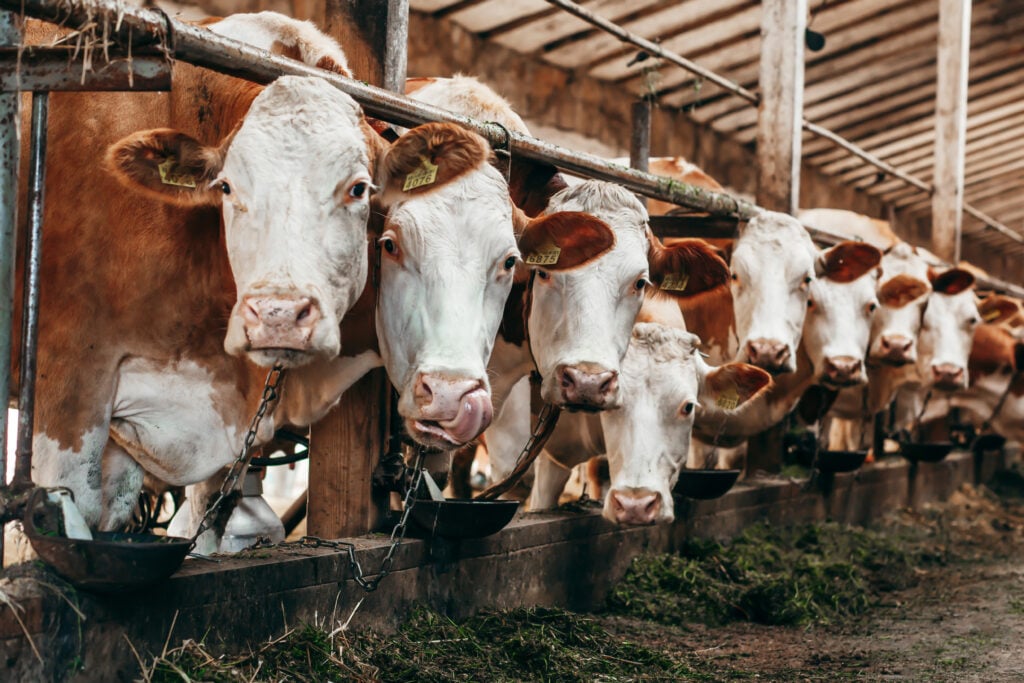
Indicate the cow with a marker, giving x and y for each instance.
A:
(158, 324)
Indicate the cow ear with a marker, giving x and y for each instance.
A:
(686, 267)
(900, 290)
(952, 281)
(848, 261)
(564, 240)
(733, 384)
(997, 308)
(167, 165)
(427, 158)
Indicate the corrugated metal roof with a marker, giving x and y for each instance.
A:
(873, 83)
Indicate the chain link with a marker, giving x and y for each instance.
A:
(397, 535)
(270, 394)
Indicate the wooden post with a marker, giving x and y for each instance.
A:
(640, 141)
(950, 127)
(346, 445)
(780, 112)
(779, 134)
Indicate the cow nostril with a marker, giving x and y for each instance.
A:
(566, 378)
(304, 313)
(652, 506)
(608, 386)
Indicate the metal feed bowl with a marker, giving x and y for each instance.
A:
(705, 484)
(840, 461)
(460, 518)
(111, 562)
(988, 442)
(933, 451)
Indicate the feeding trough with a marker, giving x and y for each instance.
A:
(462, 518)
(931, 451)
(988, 442)
(840, 461)
(111, 561)
(705, 484)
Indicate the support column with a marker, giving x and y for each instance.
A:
(640, 142)
(950, 127)
(779, 136)
(780, 112)
(346, 445)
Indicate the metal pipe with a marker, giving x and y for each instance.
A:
(30, 294)
(738, 90)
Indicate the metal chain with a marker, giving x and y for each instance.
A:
(270, 387)
(397, 536)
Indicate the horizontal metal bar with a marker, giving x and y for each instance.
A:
(38, 69)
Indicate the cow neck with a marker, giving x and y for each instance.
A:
(711, 317)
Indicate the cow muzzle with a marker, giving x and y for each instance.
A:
(895, 349)
(769, 354)
(449, 412)
(280, 322)
(633, 506)
(586, 387)
(948, 377)
(843, 371)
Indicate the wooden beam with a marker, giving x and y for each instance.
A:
(346, 445)
(640, 141)
(780, 113)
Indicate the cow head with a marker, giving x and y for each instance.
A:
(902, 295)
(840, 309)
(947, 328)
(293, 184)
(664, 382)
(773, 265)
(580, 320)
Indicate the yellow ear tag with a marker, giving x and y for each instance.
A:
(426, 174)
(169, 177)
(675, 282)
(728, 399)
(546, 255)
(992, 315)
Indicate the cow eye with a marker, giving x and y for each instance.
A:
(808, 279)
(543, 274)
(389, 245)
(224, 187)
(810, 304)
(735, 277)
(640, 284)
(973, 321)
(872, 307)
(510, 263)
(687, 408)
(358, 190)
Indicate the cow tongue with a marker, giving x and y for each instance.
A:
(474, 416)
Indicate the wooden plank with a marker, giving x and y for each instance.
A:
(640, 140)
(560, 25)
(430, 6)
(346, 445)
(487, 15)
(950, 127)
(780, 113)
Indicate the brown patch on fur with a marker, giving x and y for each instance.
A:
(135, 161)
(453, 149)
(996, 308)
(532, 184)
(414, 84)
(513, 319)
(694, 259)
(992, 351)
(952, 281)
(580, 237)
(849, 261)
(290, 51)
(669, 168)
(815, 402)
(746, 380)
(328, 64)
(209, 21)
(901, 290)
(709, 315)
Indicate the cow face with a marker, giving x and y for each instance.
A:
(947, 328)
(581, 319)
(902, 295)
(294, 196)
(773, 265)
(664, 383)
(448, 255)
(840, 309)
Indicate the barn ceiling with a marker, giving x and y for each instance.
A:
(873, 82)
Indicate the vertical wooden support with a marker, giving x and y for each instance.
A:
(779, 135)
(950, 127)
(780, 111)
(346, 445)
(640, 141)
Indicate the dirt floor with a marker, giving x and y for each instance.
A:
(963, 621)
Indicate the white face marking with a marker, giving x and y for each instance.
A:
(584, 317)
(294, 217)
(947, 331)
(904, 322)
(772, 265)
(444, 286)
(647, 440)
(838, 324)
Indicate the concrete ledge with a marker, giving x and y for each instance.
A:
(564, 559)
